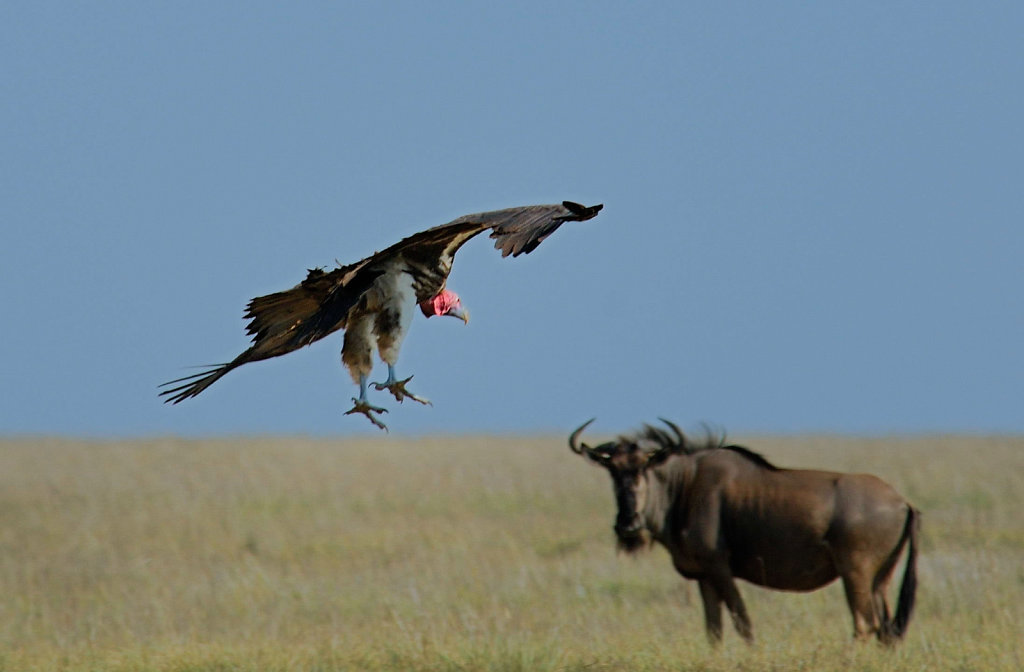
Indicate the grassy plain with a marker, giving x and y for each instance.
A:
(463, 553)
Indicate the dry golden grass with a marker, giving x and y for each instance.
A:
(451, 554)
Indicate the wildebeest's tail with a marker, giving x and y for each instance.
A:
(908, 589)
(197, 382)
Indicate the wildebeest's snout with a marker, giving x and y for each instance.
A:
(628, 526)
(628, 522)
(630, 533)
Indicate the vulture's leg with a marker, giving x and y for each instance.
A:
(397, 387)
(357, 356)
(364, 407)
(390, 327)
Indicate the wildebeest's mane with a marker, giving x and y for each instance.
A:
(710, 441)
(757, 458)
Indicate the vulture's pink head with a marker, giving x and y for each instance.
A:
(445, 303)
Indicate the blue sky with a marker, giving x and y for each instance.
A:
(813, 212)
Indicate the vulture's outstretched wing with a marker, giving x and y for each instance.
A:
(285, 321)
(515, 230)
(520, 230)
(429, 254)
(318, 306)
(288, 320)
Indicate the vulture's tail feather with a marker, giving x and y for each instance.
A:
(197, 382)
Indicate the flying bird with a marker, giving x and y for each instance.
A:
(374, 300)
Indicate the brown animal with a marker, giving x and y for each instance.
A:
(724, 512)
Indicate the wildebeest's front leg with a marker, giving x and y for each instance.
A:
(725, 586)
(704, 541)
(712, 612)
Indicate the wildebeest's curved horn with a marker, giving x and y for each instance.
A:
(579, 450)
(675, 428)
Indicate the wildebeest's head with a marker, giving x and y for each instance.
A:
(627, 460)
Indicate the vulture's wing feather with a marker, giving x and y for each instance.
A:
(285, 321)
(428, 255)
(520, 230)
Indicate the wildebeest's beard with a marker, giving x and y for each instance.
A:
(630, 541)
(629, 529)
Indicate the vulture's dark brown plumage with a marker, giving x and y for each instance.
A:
(377, 295)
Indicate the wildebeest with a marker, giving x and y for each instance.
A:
(724, 512)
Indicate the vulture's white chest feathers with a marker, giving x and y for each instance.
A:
(402, 295)
(393, 320)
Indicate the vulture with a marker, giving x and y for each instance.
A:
(374, 300)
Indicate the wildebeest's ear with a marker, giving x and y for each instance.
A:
(601, 454)
(658, 456)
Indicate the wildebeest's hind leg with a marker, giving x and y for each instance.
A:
(882, 610)
(889, 631)
(712, 612)
(863, 606)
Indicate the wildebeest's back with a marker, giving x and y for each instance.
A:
(783, 527)
(775, 525)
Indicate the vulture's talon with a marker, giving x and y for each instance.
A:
(368, 410)
(397, 388)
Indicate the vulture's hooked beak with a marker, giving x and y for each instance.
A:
(460, 313)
